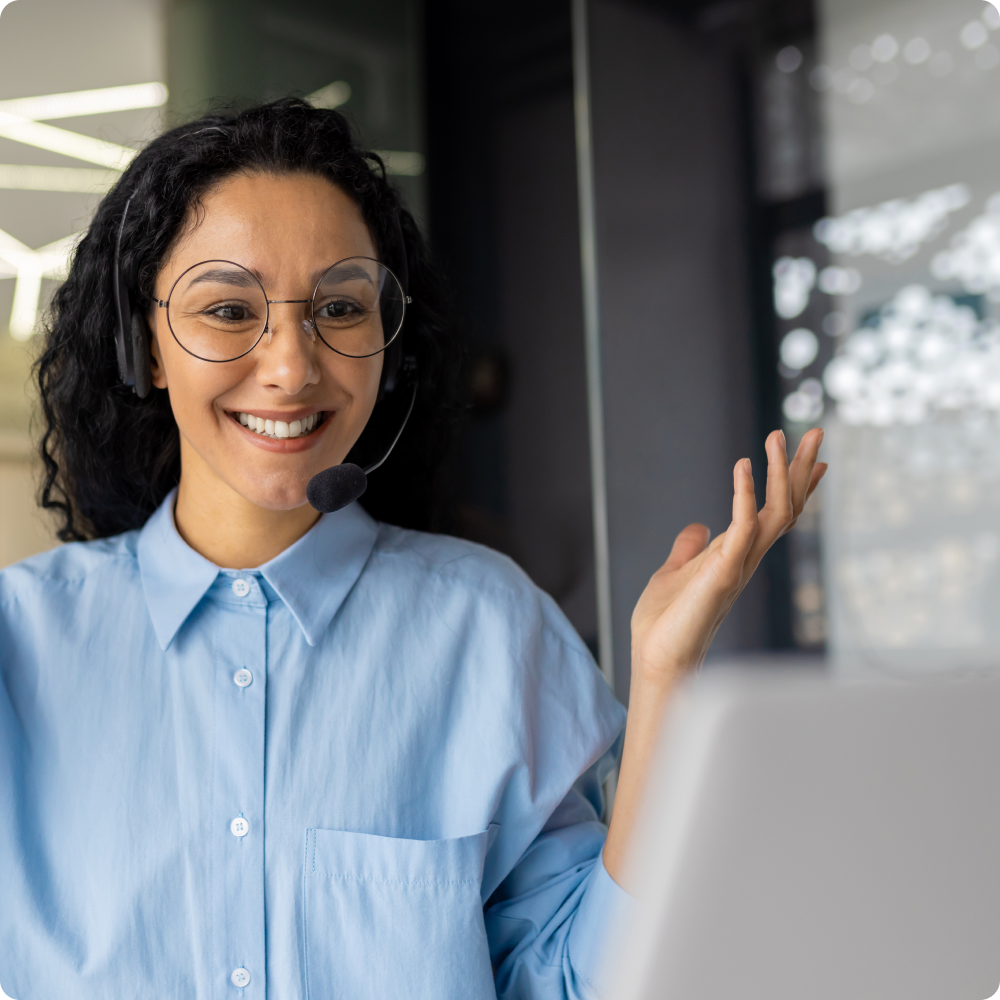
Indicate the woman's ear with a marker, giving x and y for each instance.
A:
(156, 370)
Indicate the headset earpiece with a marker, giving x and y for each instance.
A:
(142, 378)
(123, 344)
(391, 361)
(132, 334)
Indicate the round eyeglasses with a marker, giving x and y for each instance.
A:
(218, 310)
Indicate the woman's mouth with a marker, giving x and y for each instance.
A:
(280, 429)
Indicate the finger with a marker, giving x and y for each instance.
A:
(801, 469)
(689, 543)
(740, 535)
(819, 471)
(777, 510)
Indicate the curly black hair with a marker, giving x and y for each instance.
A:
(109, 457)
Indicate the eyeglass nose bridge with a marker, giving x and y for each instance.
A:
(307, 325)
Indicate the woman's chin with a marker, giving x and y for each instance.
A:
(275, 493)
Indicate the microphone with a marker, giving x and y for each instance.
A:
(342, 484)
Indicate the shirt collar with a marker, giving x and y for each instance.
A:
(312, 577)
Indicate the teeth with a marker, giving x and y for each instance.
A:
(279, 428)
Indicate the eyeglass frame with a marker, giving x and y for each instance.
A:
(165, 303)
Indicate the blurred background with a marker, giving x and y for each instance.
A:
(671, 226)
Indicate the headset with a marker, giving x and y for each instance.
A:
(328, 490)
(132, 335)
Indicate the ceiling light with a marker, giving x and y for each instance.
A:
(30, 267)
(895, 230)
(798, 348)
(794, 279)
(789, 59)
(88, 102)
(21, 177)
(917, 50)
(402, 163)
(973, 35)
(835, 280)
(925, 354)
(58, 140)
(331, 96)
(884, 48)
(974, 255)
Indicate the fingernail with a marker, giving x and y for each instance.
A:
(781, 434)
(822, 434)
(747, 468)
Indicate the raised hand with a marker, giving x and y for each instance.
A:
(687, 600)
(688, 597)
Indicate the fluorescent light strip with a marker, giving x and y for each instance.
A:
(59, 140)
(402, 163)
(21, 177)
(29, 267)
(87, 102)
(331, 96)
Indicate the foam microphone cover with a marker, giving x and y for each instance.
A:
(336, 487)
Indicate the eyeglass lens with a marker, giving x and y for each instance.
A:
(218, 310)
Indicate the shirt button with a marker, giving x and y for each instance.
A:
(240, 827)
(241, 588)
(240, 977)
(243, 678)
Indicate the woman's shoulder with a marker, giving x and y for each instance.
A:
(72, 563)
(457, 573)
(462, 563)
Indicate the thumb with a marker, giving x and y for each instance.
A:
(689, 543)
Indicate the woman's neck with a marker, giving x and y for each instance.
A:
(225, 527)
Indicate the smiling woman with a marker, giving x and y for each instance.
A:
(227, 197)
(246, 745)
(285, 229)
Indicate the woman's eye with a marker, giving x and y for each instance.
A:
(232, 312)
(339, 309)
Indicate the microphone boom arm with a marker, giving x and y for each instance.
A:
(399, 433)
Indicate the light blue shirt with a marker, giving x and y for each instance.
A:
(369, 769)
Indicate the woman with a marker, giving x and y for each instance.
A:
(246, 748)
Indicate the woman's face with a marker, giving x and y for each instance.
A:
(287, 230)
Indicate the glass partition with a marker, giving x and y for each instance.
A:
(908, 256)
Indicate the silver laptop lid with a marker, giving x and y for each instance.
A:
(815, 838)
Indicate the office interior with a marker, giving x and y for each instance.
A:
(793, 217)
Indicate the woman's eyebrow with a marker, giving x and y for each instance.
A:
(227, 276)
(349, 271)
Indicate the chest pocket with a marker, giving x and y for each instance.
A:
(393, 919)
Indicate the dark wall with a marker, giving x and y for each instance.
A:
(502, 172)
(682, 262)
(679, 385)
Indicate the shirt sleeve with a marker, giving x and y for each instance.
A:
(548, 921)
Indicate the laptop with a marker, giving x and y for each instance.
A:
(813, 837)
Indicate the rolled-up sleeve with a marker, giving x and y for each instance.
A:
(548, 922)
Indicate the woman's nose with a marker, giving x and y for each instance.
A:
(288, 349)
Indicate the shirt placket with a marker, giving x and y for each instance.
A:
(238, 788)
